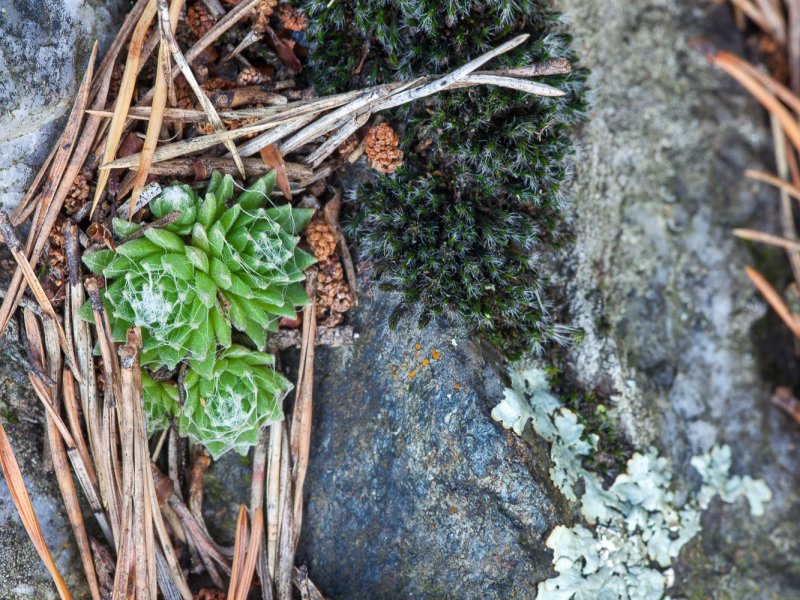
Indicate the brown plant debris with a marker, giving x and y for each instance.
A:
(292, 18)
(199, 20)
(322, 239)
(348, 146)
(261, 14)
(382, 147)
(250, 76)
(78, 193)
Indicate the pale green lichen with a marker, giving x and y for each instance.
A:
(639, 525)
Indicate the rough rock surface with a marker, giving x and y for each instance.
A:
(44, 50)
(656, 278)
(44, 47)
(413, 491)
(22, 574)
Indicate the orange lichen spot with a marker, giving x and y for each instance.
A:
(435, 354)
(453, 510)
(425, 362)
(458, 386)
(395, 375)
(394, 368)
(412, 374)
(417, 346)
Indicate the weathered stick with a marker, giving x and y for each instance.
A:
(180, 60)
(157, 108)
(124, 96)
(303, 407)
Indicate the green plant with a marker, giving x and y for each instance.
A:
(476, 263)
(160, 402)
(226, 409)
(213, 269)
(487, 153)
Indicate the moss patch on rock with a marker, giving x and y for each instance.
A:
(473, 157)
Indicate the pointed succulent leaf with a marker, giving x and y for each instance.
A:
(176, 197)
(257, 195)
(229, 217)
(138, 248)
(160, 402)
(86, 313)
(118, 266)
(282, 310)
(257, 333)
(205, 288)
(165, 239)
(216, 238)
(197, 257)
(214, 182)
(296, 295)
(123, 228)
(97, 261)
(225, 190)
(220, 273)
(200, 238)
(178, 265)
(303, 260)
(208, 209)
(170, 357)
(222, 329)
(204, 367)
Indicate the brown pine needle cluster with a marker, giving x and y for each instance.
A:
(292, 18)
(333, 293)
(382, 147)
(199, 19)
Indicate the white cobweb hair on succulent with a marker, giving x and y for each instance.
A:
(227, 410)
(151, 308)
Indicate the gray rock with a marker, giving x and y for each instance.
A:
(22, 573)
(413, 491)
(44, 50)
(656, 279)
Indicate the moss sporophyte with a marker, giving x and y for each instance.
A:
(189, 285)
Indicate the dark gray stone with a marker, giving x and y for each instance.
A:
(413, 491)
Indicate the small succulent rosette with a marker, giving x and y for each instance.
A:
(214, 268)
(227, 409)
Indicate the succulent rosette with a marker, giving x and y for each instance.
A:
(226, 409)
(160, 402)
(212, 269)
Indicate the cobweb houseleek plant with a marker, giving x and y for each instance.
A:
(222, 265)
